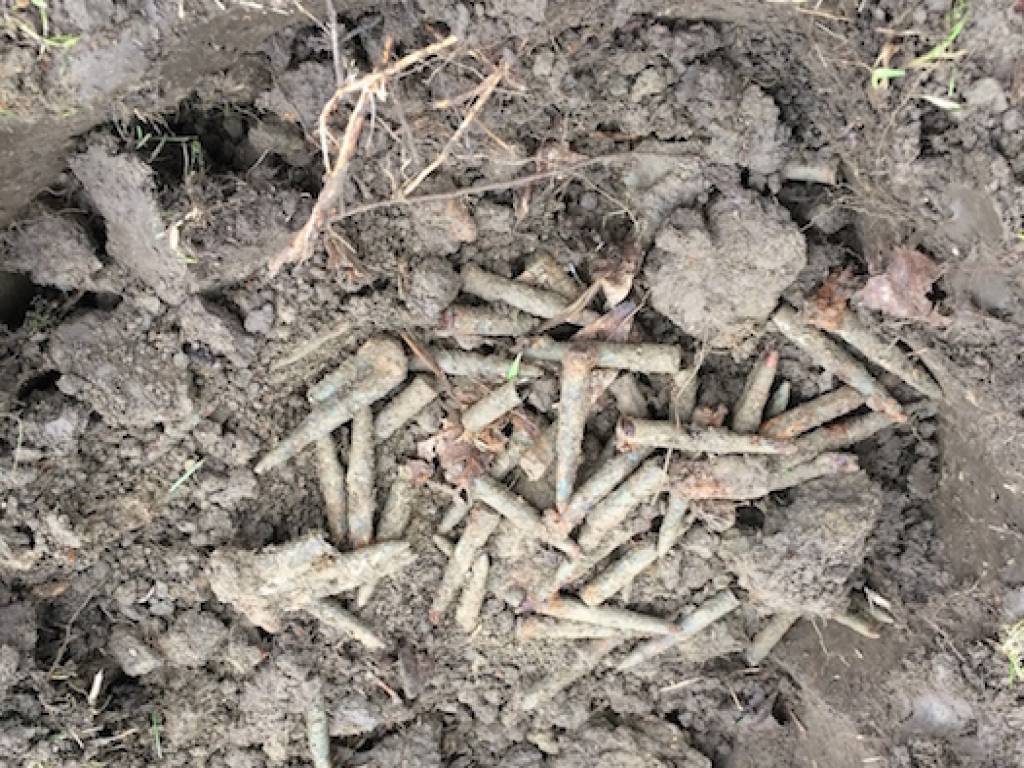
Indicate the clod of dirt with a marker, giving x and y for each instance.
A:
(282, 139)
(433, 286)
(52, 250)
(260, 320)
(208, 325)
(663, 177)
(249, 226)
(108, 361)
(721, 283)
(811, 548)
(419, 745)
(300, 94)
(135, 657)
(193, 639)
(267, 585)
(643, 743)
(9, 662)
(18, 626)
(751, 137)
(442, 227)
(122, 190)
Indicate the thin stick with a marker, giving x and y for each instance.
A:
(331, 195)
(67, 630)
(485, 93)
(301, 247)
(480, 189)
(339, 69)
(615, 618)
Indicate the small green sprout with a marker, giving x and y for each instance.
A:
(45, 39)
(513, 370)
(880, 77)
(1013, 649)
(958, 17)
(185, 477)
(156, 737)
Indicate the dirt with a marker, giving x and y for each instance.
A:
(153, 168)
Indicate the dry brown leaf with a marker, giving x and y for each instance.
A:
(829, 304)
(611, 326)
(615, 274)
(419, 472)
(902, 289)
(460, 220)
(710, 416)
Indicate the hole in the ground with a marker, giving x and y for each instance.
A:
(16, 294)
(41, 382)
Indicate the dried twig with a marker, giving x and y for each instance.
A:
(487, 88)
(480, 189)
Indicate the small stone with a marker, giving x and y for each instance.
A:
(433, 285)
(135, 657)
(544, 64)
(987, 93)
(649, 83)
(260, 321)
(193, 639)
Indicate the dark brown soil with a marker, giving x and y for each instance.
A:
(153, 168)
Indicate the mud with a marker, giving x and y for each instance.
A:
(155, 166)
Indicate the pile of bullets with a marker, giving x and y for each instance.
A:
(704, 466)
